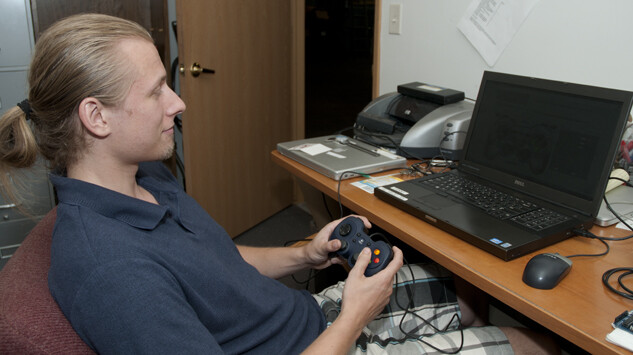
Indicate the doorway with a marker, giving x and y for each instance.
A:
(338, 63)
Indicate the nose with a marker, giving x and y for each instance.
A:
(176, 105)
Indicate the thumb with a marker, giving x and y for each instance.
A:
(333, 245)
(362, 261)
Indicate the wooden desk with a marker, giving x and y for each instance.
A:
(579, 309)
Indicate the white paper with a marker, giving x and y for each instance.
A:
(621, 225)
(490, 25)
(621, 338)
(370, 184)
(312, 149)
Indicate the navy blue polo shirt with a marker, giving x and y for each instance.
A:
(134, 277)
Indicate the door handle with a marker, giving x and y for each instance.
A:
(196, 70)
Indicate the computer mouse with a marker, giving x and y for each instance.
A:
(544, 271)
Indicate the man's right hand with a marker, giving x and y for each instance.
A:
(364, 298)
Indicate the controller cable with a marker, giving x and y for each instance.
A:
(408, 310)
(408, 334)
(338, 188)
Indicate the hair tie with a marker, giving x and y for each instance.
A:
(26, 108)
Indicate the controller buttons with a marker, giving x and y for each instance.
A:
(376, 259)
(345, 229)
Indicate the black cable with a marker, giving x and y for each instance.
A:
(396, 146)
(340, 131)
(625, 272)
(587, 234)
(312, 274)
(407, 310)
(607, 275)
(617, 215)
(327, 208)
(338, 188)
(445, 139)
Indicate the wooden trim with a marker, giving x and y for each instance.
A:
(297, 9)
(297, 80)
(375, 90)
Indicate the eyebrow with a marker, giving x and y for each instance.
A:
(157, 84)
(160, 81)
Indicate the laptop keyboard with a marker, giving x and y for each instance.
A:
(494, 202)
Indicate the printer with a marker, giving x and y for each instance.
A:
(418, 121)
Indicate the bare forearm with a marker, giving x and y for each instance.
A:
(336, 339)
(275, 262)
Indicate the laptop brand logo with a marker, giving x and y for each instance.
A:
(519, 182)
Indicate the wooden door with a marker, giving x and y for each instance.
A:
(150, 14)
(238, 114)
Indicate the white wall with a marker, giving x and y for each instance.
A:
(583, 41)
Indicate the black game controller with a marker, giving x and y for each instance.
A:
(351, 233)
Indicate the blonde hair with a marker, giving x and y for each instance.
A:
(75, 58)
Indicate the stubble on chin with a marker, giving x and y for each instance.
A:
(169, 151)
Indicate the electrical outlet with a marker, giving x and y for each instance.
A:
(395, 19)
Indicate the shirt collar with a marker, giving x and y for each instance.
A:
(112, 204)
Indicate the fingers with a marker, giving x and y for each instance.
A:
(363, 218)
(365, 221)
(364, 258)
(333, 245)
(396, 263)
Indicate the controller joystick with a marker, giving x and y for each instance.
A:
(353, 236)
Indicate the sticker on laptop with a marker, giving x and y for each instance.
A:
(312, 148)
(500, 243)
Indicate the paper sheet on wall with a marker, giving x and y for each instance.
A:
(490, 25)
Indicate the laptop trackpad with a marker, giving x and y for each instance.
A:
(435, 201)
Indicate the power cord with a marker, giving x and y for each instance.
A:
(627, 293)
(625, 271)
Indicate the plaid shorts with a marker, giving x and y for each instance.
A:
(431, 324)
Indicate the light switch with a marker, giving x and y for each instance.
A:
(395, 19)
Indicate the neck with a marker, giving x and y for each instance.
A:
(119, 178)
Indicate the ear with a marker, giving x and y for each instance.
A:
(92, 115)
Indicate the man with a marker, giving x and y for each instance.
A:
(139, 267)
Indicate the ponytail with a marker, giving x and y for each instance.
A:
(18, 148)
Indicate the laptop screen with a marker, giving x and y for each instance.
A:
(538, 134)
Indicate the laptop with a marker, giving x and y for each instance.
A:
(621, 201)
(340, 157)
(542, 149)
